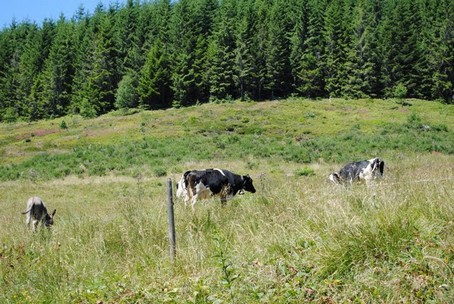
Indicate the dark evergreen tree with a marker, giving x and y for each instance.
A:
(363, 59)
(222, 54)
(205, 14)
(128, 41)
(245, 68)
(299, 14)
(400, 32)
(184, 36)
(84, 34)
(310, 80)
(101, 82)
(30, 66)
(442, 52)
(278, 71)
(12, 73)
(59, 71)
(336, 47)
(154, 79)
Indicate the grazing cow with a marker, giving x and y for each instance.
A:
(361, 170)
(37, 211)
(201, 184)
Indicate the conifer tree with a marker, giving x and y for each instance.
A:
(363, 60)
(222, 54)
(400, 34)
(245, 67)
(100, 84)
(278, 81)
(154, 80)
(442, 52)
(128, 40)
(31, 64)
(299, 15)
(259, 44)
(84, 34)
(184, 39)
(337, 41)
(58, 71)
(311, 71)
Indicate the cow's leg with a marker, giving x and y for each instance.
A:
(194, 201)
(27, 221)
(223, 200)
(35, 224)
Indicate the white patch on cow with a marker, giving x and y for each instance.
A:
(370, 172)
(222, 172)
(366, 173)
(372, 160)
(181, 188)
(201, 192)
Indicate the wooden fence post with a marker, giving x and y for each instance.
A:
(171, 220)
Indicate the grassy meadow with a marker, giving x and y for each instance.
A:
(298, 239)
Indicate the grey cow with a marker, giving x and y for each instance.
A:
(37, 212)
(361, 170)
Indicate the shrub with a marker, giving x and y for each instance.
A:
(126, 97)
(159, 172)
(306, 171)
(400, 91)
(63, 125)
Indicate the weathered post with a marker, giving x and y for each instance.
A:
(171, 220)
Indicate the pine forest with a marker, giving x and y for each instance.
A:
(160, 54)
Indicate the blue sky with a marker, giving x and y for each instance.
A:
(38, 10)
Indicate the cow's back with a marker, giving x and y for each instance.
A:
(38, 208)
(351, 171)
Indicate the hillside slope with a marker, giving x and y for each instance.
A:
(299, 131)
(298, 239)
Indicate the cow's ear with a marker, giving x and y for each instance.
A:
(53, 213)
(382, 167)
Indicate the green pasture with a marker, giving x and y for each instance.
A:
(298, 239)
(161, 142)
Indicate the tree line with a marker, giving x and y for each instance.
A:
(163, 53)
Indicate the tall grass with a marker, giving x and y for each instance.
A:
(298, 239)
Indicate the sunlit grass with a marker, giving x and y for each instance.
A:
(297, 239)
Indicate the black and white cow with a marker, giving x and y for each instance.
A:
(201, 184)
(37, 212)
(366, 170)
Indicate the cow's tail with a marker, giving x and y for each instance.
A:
(26, 211)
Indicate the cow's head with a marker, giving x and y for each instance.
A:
(378, 167)
(373, 170)
(247, 184)
(49, 219)
(335, 178)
